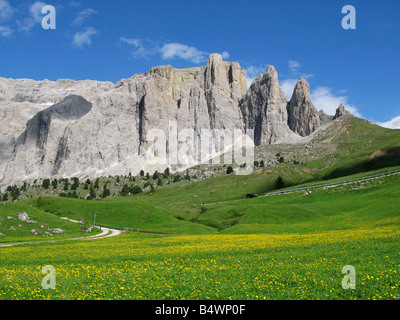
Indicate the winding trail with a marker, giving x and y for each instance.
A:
(105, 233)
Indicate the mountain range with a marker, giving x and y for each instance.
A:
(88, 128)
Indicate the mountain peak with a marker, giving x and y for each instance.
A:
(341, 111)
(303, 117)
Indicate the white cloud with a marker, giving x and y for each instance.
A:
(391, 124)
(225, 55)
(140, 51)
(192, 54)
(252, 72)
(287, 87)
(83, 16)
(147, 48)
(6, 11)
(294, 65)
(134, 42)
(5, 31)
(35, 17)
(83, 38)
(325, 100)
(36, 11)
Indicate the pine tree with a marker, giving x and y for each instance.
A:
(92, 192)
(96, 184)
(166, 173)
(106, 193)
(279, 184)
(46, 183)
(156, 175)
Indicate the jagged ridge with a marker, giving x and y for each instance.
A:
(90, 128)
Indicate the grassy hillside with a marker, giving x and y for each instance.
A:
(15, 230)
(361, 146)
(289, 246)
(179, 210)
(118, 212)
(350, 146)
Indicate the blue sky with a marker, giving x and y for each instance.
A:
(108, 41)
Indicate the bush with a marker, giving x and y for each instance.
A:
(135, 190)
(125, 190)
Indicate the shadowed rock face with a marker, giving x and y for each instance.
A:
(71, 108)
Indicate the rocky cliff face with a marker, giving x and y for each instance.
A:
(264, 109)
(303, 117)
(89, 128)
(97, 128)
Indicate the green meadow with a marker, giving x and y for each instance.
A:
(205, 240)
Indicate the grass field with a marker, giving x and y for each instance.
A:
(204, 240)
(284, 247)
(262, 266)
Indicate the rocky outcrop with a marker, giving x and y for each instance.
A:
(324, 118)
(303, 117)
(341, 112)
(264, 109)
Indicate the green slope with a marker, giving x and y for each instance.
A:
(361, 146)
(16, 230)
(368, 204)
(118, 212)
(350, 146)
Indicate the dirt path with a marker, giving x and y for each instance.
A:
(105, 233)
